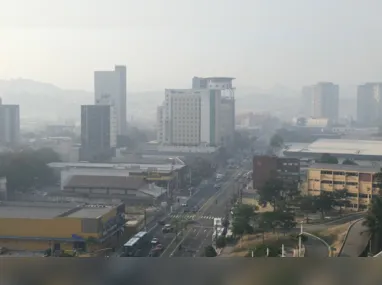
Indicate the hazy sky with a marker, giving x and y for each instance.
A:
(164, 43)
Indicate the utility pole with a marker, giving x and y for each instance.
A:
(300, 241)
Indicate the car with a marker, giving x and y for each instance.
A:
(159, 247)
(161, 223)
(167, 228)
(184, 204)
(155, 241)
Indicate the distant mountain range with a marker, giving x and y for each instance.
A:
(39, 100)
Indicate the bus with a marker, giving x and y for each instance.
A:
(133, 246)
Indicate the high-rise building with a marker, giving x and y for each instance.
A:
(199, 83)
(181, 117)
(210, 117)
(9, 124)
(326, 101)
(96, 138)
(110, 89)
(369, 104)
(204, 115)
(227, 106)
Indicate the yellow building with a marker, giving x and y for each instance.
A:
(359, 181)
(40, 226)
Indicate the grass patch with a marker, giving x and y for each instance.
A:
(251, 241)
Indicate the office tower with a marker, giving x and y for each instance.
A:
(227, 106)
(110, 89)
(324, 99)
(369, 104)
(96, 138)
(210, 117)
(9, 124)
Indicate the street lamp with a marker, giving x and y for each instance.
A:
(300, 240)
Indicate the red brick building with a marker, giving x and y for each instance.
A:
(267, 167)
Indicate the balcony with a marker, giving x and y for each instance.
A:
(339, 177)
(351, 178)
(326, 177)
(352, 189)
(327, 187)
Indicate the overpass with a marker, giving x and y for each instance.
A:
(356, 240)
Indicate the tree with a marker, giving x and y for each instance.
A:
(209, 251)
(349, 162)
(307, 206)
(277, 220)
(47, 155)
(276, 141)
(243, 216)
(324, 202)
(200, 169)
(373, 221)
(327, 158)
(271, 192)
(341, 199)
(27, 169)
(221, 242)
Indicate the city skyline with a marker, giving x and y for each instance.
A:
(267, 44)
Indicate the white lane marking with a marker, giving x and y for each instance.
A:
(181, 241)
(198, 232)
(173, 240)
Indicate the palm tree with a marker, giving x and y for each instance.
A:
(373, 220)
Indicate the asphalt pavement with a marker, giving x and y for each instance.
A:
(199, 235)
(199, 199)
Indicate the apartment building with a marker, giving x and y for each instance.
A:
(321, 100)
(359, 181)
(369, 104)
(267, 167)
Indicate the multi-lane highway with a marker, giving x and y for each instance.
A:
(199, 235)
(210, 202)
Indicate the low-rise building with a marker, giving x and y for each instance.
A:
(359, 181)
(56, 226)
(131, 190)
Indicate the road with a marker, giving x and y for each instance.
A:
(356, 241)
(198, 236)
(315, 247)
(201, 199)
